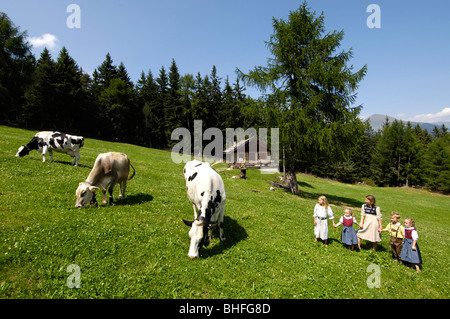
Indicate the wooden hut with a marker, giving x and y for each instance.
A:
(250, 152)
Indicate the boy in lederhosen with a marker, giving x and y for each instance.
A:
(397, 232)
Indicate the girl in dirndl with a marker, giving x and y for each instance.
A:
(410, 250)
(370, 224)
(348, 236)
(321, 211)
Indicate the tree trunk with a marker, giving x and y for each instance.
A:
(407, 171)
(398, 170)
(291, 180)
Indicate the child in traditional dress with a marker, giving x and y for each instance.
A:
(397, 232)
(371, 226)
(321, 211)
(410, 250)
(348, 236)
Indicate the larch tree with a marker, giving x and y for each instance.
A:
(311, 91)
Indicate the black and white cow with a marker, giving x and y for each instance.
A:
(206, 191)
(47, 141)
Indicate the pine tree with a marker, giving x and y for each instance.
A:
(398, 158)
(173, 109)
(147, 91)
(163, 88)
(438, 164)
(187, 87)
(229, 107)
(311, 90)
(358, 167)
(117, 102)
(105, 72)
(413, 166)
(202, 106)
(118, 115)
(217, 108)
(40, 96)
(102, 77)
(16, 68)
(67, 112)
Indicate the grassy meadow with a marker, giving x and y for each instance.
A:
(138, 247)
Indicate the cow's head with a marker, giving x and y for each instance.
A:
(22, 151)
(85, 194)
(199, 235)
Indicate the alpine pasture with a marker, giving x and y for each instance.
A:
(138, 247)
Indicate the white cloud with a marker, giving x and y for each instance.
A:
(442, 116)
(46, 40)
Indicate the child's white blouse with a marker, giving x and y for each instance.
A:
(321, 212)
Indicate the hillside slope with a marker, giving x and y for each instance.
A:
(138, 248)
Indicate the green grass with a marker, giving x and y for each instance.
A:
(138, 248)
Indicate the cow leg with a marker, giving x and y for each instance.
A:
(110, 191)
(44, 151)
(94, 200)
(122, 188)
(104, 202)
(51, 155)
(221, 225)
(77, 158)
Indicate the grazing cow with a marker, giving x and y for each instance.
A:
(53, 141)
(109, 169)
(206, 191)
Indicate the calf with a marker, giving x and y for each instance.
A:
(53, 141)
(206, 192)
(109, 169)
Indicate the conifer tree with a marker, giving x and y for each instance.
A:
(16, 68)
(40, 96)
(163, 88)
(102, 77)
(187, 85)
(217, 108)
(117, 105)
(67, 111)
(311, 90)
(147, 91)
(105, 72)
(438, 164)
(173, 109)
(202, 106)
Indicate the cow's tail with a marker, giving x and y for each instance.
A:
(134, 172)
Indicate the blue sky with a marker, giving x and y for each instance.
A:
(408, 57)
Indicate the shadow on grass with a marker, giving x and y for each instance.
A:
(330, 241)
(234, 234)
(47, 161)
(70, 163)
(304, 184)
(135, 199)
(367, 245)
(333, 199)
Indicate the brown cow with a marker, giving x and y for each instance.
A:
(109, 169)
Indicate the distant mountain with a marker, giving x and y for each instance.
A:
(377, 121)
